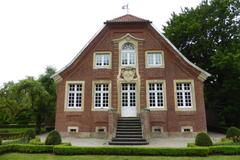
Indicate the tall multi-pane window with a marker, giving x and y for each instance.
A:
(101, 98)
(74, 95)
(184, 95)
(156, 93)
(128, 54)
(102, 60)
(154, 59)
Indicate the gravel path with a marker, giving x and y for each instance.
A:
(153, 142)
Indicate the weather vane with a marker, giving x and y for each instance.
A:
(126, 7)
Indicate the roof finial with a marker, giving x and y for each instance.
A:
(126, 7)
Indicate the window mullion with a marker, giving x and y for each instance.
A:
(184, 92)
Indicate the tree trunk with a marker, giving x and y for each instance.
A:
(38, 123)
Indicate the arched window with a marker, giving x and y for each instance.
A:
(128, 54)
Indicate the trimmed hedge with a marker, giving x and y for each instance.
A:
(146, 151)
(203, 139)
(53, 138)
(11, 135)
(224, 150)
(64, 150)
(232, 132)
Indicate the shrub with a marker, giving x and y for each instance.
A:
(236, 139)
(28, 148)
(232, 132)
(203, 139)
(11, 135)
(66, 150)
(28, 135)
(0, 141)
(53, 138)
(5, 149)
(36, 141)
(225, 150)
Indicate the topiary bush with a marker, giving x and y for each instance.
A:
(28, 135)
(203, 139)
(53, 138)
(232, 132)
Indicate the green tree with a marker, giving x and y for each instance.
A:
(209, 35)
(50, 86)
(36, 98)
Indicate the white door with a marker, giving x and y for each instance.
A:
(128, 100)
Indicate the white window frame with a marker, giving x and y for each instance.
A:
(128, 53)
(192, 94)
(74, 108)
(186, 127)
(102, 54)
(154, 65)
(163, 91)
(69, 128)
(101, 108)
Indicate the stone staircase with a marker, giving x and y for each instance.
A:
(129, 132)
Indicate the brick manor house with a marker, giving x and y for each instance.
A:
(130, 80)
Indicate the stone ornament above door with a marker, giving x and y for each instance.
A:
(128, 74)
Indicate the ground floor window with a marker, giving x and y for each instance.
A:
(74, 95)
(101, 95)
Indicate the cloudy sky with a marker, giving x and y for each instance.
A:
(38, 33)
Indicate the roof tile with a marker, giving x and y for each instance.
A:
(128, 18)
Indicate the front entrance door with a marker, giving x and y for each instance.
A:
(128, 100)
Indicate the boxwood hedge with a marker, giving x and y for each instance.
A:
(146, 151)
(65, 150)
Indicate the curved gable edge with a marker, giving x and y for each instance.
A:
(57, 77)
(203, 74)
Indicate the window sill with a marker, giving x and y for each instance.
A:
(73, 109)
(157, 109)
(100, 109)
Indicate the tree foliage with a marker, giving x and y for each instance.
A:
(209, 35)
(29, 100)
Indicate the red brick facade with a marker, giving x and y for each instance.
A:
(175, 68)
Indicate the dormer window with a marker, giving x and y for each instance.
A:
(128, 54)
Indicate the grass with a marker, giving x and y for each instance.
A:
(21, 156)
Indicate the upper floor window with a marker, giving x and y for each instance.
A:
(154, 59)
(102, 60)
(128, 54)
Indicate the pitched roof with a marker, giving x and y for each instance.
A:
(128, 18)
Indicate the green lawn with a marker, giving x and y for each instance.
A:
(20, 156)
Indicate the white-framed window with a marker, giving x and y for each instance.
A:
(75, 93)
(184, 95)
(186, 129)
(102, 60)
(72, 129)
(128, 54)
(156, 95)
(154, 59)
(101, 95)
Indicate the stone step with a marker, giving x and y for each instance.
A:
(129, 127)
(129, 133)
(128, 143)
(129, 124)
(129, 136)
(129, 130)
(129, 139)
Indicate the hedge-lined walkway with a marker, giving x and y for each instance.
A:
(23, 156)
(154, 142)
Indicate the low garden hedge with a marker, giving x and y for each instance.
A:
(225, 150)
(141, 151)
(65, 150)
(11, 135)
